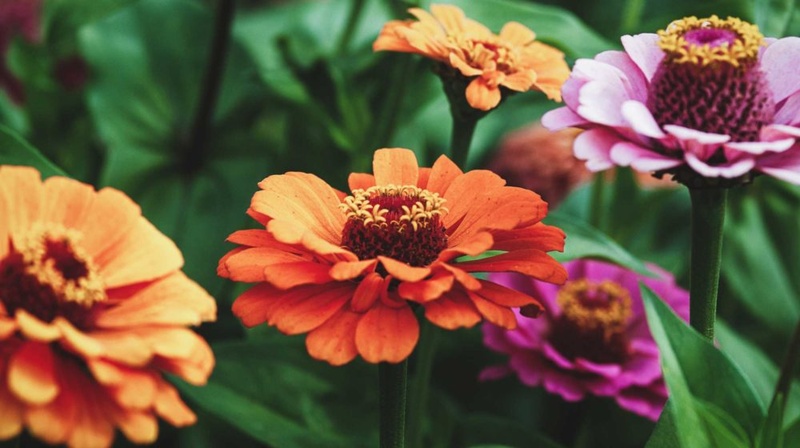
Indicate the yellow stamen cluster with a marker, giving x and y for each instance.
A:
(366, 205)
(744, 48)
(604, 306)
(85, 290)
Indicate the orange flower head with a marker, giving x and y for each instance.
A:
(346, 269)
(93, 308)
(512, 59)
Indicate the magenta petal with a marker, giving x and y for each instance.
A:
(561, 118)
(556, 357)
(641, 120)
(494, 372)
(640, 158)
(642, 401)
(729, 170)
(644, 51)
(779, 62)
(594, 146)
(608, 371)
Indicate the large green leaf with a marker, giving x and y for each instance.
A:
(269, 388)
(482, 429)
(147, 80)
(773, 16)
(16, 151)
(695, 370)
(584, 241)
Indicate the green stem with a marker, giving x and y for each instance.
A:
(212, 80)
(350, 27)
(461, 139)
(789, 365)
(596, 206)
(708, 216)
(631, 15)
(418, 393)
(392, 385)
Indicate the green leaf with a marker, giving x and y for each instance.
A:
(147, 80)
(14, 150)
(488, 429)
(760, 231)
(695, 369)
(791, 434)
(269, 388)
(665, 434)
(722, 429)
(584, 241)
(551, 24)
(770, 434)
(773, 16)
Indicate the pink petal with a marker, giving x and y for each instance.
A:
(635, 83)
(773, 132)
(641, 120)
(784, 166)
(494, 372)
(758, 148)
(789, 111)
(601, 98)
(730, 170)
(644, 51)
(609, 371)
(561, 118)
(779, 62)
(640, 158)
(594, 146)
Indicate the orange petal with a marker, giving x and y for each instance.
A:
(395, 166)
(496, 314)
(368, 292)
(474, 245)
(53, 422)
(77, 341)
(290, 233)
(66, 201)
(335, 340)
(34, 329)
(138, 427)
(451, 17)
(481, 96)
(10, 414)
(253, 305)
(451, 311)
(124, 347)
(93, 426)
(347, 270)
(462, 66)
(402, 271)
(465, 279)
(31, 376)
(174, 300)
(305, 201)
(254, 238)
(250, 265)
(107, 221)
(539, 236)
(304, 308)
(387, 334)
(504, 296)
(290, 275)
(533, 263)
(520, 81)
(7, 327)
(443, 172)
(171, 408)
(134, 388)
(360, 181)
(517, 34)
(21, 191)
(427, 290)
(142, 254)
(194, 368)
(464, 191)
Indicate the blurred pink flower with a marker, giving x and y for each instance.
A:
(710, 101)
(540, 160)
(593, 337)
(17, 17)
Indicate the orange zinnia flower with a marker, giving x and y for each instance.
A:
(344, 268)
(93, 307)
(512, 59)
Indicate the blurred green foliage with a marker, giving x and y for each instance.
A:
(302, 90)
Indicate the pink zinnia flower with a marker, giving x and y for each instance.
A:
(710, 101)
(593, 337)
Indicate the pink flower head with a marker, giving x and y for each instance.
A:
(593, 337)
(710, 101)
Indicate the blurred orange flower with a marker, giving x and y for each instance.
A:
(343, 268)
(512, 59)
(93, 308)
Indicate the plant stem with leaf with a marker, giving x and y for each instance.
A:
(708, 217)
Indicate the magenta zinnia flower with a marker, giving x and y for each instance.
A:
(593, 337)
(710, 101)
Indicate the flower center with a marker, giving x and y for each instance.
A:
(593, 322)
(487, 55)
(47, 274)
(710, 79)
(402, 222)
